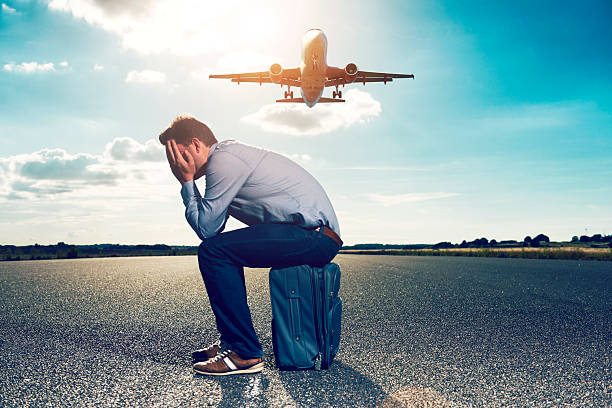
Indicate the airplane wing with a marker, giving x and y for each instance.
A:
(370, 74)
(289, 76)
(367, 76)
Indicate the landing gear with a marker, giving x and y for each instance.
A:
(337, 93)
(288, 93)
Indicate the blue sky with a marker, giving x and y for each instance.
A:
(506, 130)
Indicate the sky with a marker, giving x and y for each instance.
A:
(506, 130)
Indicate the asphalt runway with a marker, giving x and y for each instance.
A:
(417, 331)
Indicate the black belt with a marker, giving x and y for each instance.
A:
(330, 233)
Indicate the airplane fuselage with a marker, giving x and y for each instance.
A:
(313, 70)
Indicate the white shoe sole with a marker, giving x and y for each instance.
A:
(251, 370)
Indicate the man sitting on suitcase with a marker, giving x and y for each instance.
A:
(291, 222)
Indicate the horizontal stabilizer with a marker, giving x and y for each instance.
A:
(301, 100)
(326, 100)
(294, 100)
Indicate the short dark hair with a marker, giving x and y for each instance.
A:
(184, 128)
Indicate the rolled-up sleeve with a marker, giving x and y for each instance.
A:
(225, 176)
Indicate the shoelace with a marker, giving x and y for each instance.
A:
(220, 356)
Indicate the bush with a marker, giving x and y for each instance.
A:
(445, 244)
(479, 242)
(527, 241)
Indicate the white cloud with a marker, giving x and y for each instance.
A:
(49, 172)
(298, 119)
(57, 164)
(7, 9)
(388, 200)
(146, 76)
(182, 27)
(34, 67)
(29, 67)
(97, 67)
(125, 148)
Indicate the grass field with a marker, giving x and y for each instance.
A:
(569, 252)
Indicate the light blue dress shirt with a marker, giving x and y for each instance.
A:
(255, 186)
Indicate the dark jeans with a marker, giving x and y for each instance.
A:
(222, 257)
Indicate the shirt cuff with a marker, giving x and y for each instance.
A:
(189, 192)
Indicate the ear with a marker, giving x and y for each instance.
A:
(197, 143)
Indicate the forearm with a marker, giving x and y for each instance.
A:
(207, 215)
(205, 218)
(193, 207)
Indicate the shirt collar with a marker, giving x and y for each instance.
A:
(212, 149)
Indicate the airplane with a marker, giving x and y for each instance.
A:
(313, 75)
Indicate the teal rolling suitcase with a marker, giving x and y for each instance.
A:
(306, 316)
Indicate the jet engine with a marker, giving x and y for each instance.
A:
(350, 72)
(275, 73)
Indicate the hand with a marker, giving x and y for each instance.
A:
(182, 165)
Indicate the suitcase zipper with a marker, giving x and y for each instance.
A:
(318, 286)
(326, 309)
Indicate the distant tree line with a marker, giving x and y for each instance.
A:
(539, 240)
(66, 251)
(387, 246)
(598, 238)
